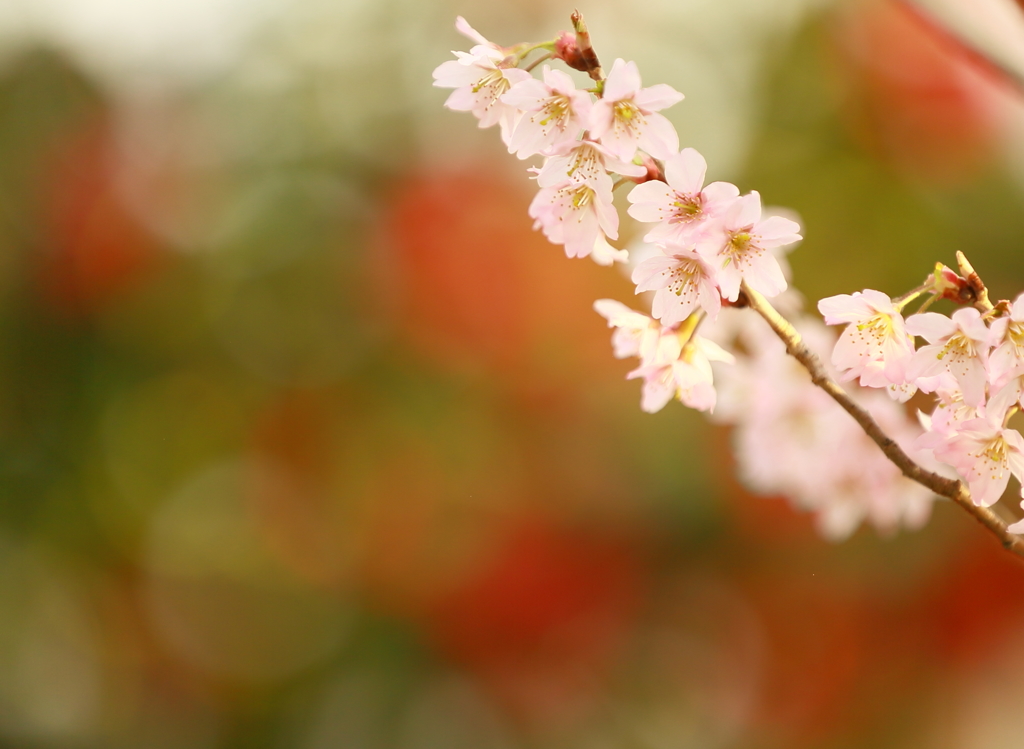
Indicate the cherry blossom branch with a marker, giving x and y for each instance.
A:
(952, 489)
(713, 245)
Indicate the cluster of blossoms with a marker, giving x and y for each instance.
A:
(972, 365)
(708, 250)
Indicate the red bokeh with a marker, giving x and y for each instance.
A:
(913, 96)
(543, 618)
(466, 277)
(94, 247)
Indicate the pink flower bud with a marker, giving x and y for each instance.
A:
(653, 170)
(568, 51)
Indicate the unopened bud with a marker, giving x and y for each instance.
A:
(568, 52)
(979, 292)
(582, 50)
(653, 170)
(945, 279)
(948, 284)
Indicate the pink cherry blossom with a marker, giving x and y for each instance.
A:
(949, 413)
(959, 345)
(680, 370)
(875, 346)
(635, 334)
(480, 78)
(682, 204)
(583, 161)
(985, 454)
(576, 213)
(1008, 337)
(682, 281)
(625, 118)
(739, 244)
(553, 112)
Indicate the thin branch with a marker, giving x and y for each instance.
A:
(538, 61)
(942, 486)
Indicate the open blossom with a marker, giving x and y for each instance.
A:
(1008, 338)
(875, 346)
(480, 78)
(672, 364)
(635, 334)
(682, 281)
(680, 370)
(583, 161)
(951, 412)
(576, 213)
(553, 112)
(739, 246)
(985, 454)
(626, 117)
(681, 204)
(958, 345)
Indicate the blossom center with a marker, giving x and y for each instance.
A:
(684, 278)
(879, 327)
(627, 115)
(585, 161)
(687, 208)
(995, 452)
(739, 246)
(958, 347)
(492, 85)
(739, 242)
(556, 109)
(582, 196)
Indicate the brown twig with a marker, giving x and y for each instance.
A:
(954, 490)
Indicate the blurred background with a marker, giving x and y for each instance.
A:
(308, 441)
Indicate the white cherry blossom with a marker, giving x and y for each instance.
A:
(1008, 338)
(554, 112)
(576, 214)
(739, 246)
(682, 281)
(680, 370)
(959, 345)
(985, 454)
(583, 161)
(626, 117)
(480, 78)
(874, 347)
(681, 205)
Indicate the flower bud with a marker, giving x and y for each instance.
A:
(568, 51)
(947, 284)
(653, 170)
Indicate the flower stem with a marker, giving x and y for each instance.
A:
(523, 50)
(902, 301)
(538, 61)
